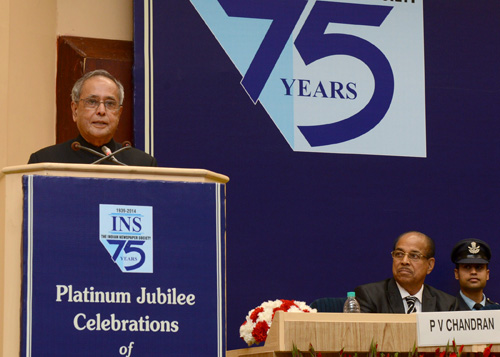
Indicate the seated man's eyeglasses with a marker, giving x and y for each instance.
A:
(93, 103)
(414, 256)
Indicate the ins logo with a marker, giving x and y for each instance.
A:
(126, 224)
(126, 234)
(313, 44)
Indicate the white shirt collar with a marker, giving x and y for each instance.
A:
(418, 295)
(470, 303)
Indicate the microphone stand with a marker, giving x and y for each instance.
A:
(111, 157)
(77, 146)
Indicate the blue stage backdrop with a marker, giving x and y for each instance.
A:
(123, 268)
(341, 125)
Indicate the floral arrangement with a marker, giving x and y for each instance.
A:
(455, 353)
(450, 351)
(311, 352)
(258, 321)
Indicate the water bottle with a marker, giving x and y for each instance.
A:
(351, 304)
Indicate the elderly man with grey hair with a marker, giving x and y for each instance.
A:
(96, 104)
(412, 260)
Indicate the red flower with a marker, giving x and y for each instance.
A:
(319, 354)
(287, 304)
(487, 351)
(260, 331)
(255, 314)
(437, 351)
(453, 354)
(460, 350)
(278, 309)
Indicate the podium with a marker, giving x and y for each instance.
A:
(111, 260)
(330, 333)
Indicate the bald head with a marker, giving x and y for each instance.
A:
(431, 248)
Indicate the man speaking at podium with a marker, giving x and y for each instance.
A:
(412, 260)
(96, 104)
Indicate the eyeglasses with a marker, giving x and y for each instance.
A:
(413, 256)
(93, 103)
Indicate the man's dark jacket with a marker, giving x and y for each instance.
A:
(64, 153)
(384, 297)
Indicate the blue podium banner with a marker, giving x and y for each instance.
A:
(118, 267)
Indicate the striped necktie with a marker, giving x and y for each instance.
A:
(410, 301)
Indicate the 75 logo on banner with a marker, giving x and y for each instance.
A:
(127, 234)
(334, 76)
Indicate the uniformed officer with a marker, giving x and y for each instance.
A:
(471, 258)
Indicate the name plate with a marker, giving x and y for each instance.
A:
(465, 327)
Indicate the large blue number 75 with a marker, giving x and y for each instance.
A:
(285, 15)
(128, 247)
(313, 44)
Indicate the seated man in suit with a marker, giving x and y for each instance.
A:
(471, 258)
(97, 100)
(412, 260)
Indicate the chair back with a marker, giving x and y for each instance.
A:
(329, 304)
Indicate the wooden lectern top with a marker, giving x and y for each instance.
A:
(127, 172)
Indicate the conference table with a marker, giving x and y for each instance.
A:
(331, 333)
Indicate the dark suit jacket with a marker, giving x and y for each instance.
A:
(462, 306)
(384, 297)
(63, 153)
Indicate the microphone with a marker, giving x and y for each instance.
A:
(77, 146)
(107, 151)
(108, 155)
(111, 155)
